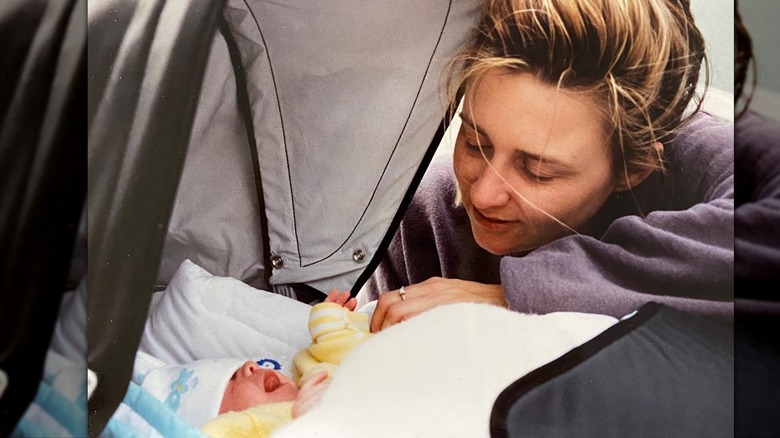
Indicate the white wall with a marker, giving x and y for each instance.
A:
(715, 20)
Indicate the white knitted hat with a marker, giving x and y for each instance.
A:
(193, 390)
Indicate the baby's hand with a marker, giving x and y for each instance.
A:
(310, 393)
(343, 298)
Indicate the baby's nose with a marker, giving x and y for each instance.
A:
(249, 367)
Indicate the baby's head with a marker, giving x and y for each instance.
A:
(252, 385)
(199, 391)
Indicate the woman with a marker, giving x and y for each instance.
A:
(583, 182)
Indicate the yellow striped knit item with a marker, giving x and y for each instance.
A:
(335, 331)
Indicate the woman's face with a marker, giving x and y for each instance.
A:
(549, 146)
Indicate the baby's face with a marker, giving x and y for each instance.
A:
(252, 385)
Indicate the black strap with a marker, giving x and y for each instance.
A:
(399, 214)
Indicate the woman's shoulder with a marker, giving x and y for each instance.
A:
(701, 160)
(438, 178)
(701, 133)
(433, 213)
(435, 196)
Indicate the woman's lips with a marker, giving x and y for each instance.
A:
(491, 223)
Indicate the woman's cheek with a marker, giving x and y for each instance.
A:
(467, 169)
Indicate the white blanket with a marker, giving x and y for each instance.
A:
(439, 374)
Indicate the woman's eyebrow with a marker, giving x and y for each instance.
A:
(473, 125)
(521, 153)
(547, 161)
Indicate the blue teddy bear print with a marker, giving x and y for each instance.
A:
(180, 386)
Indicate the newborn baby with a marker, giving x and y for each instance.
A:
(257, 400)
(256, 394)
(199, 391)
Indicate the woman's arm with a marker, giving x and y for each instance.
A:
(683, 258)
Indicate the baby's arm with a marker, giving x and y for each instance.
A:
(343, 298)
(310, 394)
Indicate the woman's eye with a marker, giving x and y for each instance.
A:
(530, 171)
(478, 148)
(538, 178)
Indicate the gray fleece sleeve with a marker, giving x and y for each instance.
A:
(683, 257)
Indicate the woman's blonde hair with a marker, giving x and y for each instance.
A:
(639, 59)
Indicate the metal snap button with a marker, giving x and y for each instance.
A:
(358, 255)
(277, 261)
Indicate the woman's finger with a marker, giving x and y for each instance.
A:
(403, 310)
(382, 305)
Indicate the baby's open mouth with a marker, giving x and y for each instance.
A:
(271, 382)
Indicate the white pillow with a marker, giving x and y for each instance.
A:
(202, 316)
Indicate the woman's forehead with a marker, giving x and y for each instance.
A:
(519, 111)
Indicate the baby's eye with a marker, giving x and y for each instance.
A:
(269, 364)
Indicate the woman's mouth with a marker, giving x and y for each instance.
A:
(491, 223)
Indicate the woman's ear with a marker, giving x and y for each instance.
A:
(626, 182)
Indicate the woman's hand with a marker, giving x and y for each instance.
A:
(392, 308)
(310, 394)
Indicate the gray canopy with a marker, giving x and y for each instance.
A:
(341, 101)
(273, 142)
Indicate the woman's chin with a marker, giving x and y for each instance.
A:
(499, 245)
(495, 245)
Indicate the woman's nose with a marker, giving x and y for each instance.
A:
(489, 190)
